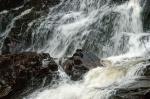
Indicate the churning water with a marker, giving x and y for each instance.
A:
(101, 26)
(107, 28)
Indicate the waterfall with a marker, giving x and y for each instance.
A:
(101, 26)
(97, 25)
(107, 28)
(113, 31)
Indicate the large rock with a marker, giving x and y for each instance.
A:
(80, 63)
(18, 71)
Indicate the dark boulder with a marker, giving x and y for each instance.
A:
(80, 63)
(19, 71)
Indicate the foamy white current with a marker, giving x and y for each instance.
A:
(100, 26)
(98, 83)
(73, 24)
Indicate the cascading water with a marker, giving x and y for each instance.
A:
(96, 25)
(108, 29)
(103, 27)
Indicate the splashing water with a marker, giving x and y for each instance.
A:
(99, 83)
(112, 31)
(97, 25)
(104, 28)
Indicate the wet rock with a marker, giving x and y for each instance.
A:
(147, 95)
(146, 15)
(38, 4)
(140, 93)
(22, 15)
(9, 4)
(140, 89)
(19, 71)
(146, 71)
(80, 63)
(42, 4)
(118, 1)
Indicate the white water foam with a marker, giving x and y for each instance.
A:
(101, 82)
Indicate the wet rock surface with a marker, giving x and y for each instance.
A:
(146, 15)
(17, 19)
(137, 93)
(146, 71)
(140, 89)
(19, 71)
(39, 4)
(81, 62)
(9, 4)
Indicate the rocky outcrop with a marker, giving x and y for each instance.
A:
(19, 71)
(80, 63)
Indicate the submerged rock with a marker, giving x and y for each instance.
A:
(18, 71)
(80, 63)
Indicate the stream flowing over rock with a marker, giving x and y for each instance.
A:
(17, 19)
(75, 49)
